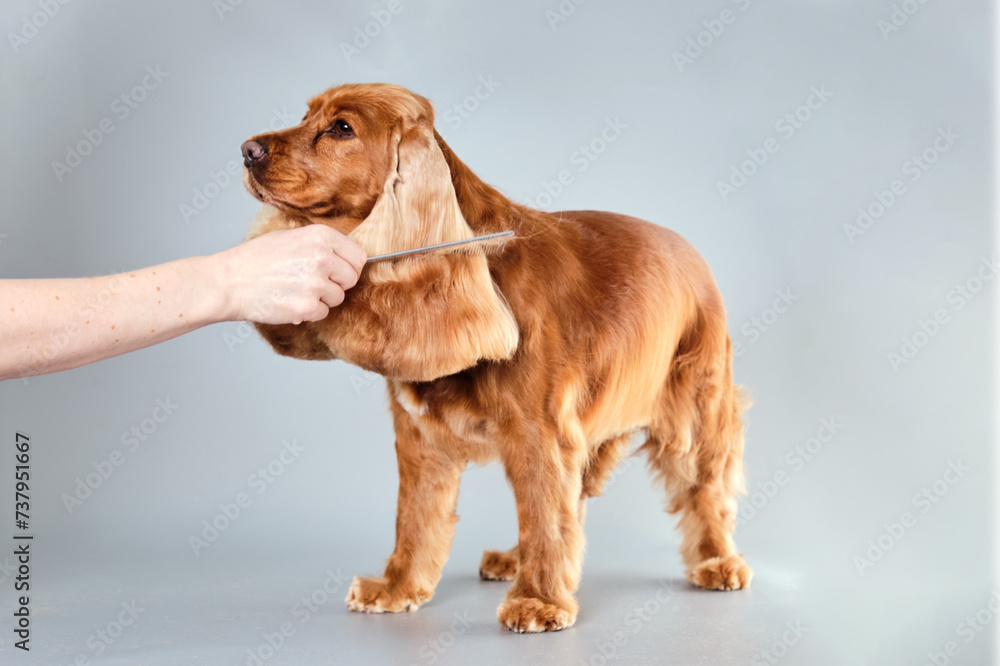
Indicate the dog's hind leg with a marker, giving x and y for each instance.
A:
(499, 564)
(425, 525)
(600, 467)
(696, 449)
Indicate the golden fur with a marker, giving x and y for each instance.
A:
(548, 357)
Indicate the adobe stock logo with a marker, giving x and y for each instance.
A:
(958, 297)
(229, 512)
(794, 631)
(925, 499)
(223, 7)
(132, 440)
(760, 324)
(364, 35)
(30, 25)
(900, 16)
(970, 627)
(562, 12)
(714, 28)
(582, 158)
(460, 111)
(121, 106)
(787, 126)
(796, 459)
(913, 168)
(610, 650)
(227, 174)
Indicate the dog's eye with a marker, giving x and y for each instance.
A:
(340, 129)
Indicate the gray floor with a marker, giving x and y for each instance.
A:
(223, 613)
(281, 604)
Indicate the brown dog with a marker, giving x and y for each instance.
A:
(589, 327)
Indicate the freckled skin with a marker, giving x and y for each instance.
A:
(74, 321)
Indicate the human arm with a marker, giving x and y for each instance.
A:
(282, 277)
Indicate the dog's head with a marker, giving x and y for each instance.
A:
(366, 160)
(336, 161)
(362, 152)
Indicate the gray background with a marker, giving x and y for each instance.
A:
(333, 507)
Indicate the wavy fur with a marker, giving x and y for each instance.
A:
(589, 328)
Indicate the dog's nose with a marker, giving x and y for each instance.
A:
(253, 153)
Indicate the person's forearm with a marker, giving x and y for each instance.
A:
(58, 324)
(284, 277)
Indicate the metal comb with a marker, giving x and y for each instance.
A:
(429, 248)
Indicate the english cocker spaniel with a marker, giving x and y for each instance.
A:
(589, 327)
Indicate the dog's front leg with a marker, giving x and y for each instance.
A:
(425, 524)
(547, 483)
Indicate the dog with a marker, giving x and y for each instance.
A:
(550, 356)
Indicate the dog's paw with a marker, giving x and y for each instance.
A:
(376, 595)
(722, 573)
(526, 615)
(499, 564)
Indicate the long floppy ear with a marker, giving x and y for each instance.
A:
(418, 205)
(447, 308)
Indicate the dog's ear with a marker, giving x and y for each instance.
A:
(418, 205)
(451, 300)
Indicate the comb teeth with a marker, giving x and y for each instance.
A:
(487, 244)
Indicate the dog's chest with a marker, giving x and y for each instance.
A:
(442, 414)
(409, 399)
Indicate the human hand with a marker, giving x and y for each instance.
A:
(288, 276)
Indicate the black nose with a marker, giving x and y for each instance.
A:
(253, 153)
